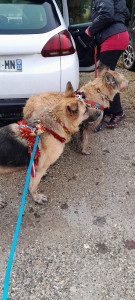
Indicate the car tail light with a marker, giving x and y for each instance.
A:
(59, 45)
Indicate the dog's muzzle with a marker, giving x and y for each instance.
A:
(91, 119)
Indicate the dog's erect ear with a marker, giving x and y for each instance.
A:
(69, 90)
(72, 108)
(110, 80)
(103, 67)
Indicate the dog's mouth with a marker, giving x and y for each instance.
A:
(86, 123)
(91, 119)
(90, 123)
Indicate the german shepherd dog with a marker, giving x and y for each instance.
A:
(57, 127)
(100, 92)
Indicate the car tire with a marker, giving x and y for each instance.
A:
(128, 57)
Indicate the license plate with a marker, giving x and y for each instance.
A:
(10, 65)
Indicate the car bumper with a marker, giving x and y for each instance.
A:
(11, 109)
(44, 76)
(39, 75)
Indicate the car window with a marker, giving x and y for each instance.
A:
(25, 16)
(79, 11)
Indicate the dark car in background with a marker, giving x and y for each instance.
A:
(128, 56)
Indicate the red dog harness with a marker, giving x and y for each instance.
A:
(30, 133)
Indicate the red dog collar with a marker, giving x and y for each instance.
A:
(81, 96)
(94, 104)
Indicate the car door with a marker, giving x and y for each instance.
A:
(77, 16)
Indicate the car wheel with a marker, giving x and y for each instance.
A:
(128, 57)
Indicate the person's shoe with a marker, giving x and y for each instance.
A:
(115, 120)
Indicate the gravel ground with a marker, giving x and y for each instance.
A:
(81, 244)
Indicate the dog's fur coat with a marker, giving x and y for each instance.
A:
(14, 148)
(108, 82)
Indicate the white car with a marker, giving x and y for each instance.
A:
(37, 53)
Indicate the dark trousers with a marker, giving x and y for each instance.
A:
(110, 59)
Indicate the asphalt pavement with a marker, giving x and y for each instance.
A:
(80, 245)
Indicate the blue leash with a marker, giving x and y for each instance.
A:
(12, 251)
(99, 126)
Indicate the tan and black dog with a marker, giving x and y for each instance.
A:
(58, 124)
(101, 90)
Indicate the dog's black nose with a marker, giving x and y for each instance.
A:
(98, 113)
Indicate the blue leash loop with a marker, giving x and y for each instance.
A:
(15, 238)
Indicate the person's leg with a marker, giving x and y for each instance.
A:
(110, 59)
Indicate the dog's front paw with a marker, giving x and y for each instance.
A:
(85, 152)
(39, 198)
(3, 203)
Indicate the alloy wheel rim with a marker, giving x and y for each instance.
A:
(128, 56)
